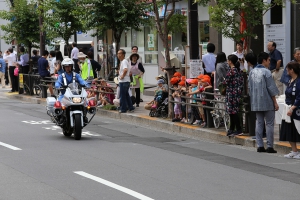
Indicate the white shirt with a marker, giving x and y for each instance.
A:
(241, 55)
(74, 53)
(209, 61)
(124, 65)
(51, 64)
(11, 59)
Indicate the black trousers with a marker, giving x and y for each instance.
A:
(6, 76)
(235, 122)
(76, 66)
(13, 78)
(195, 112)
(25, 69)
(137, 95)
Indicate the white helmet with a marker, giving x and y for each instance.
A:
(67, 61)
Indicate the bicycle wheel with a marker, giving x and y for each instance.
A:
(37, 90)
(216, 121)
(26, 89)
(226, 120)
(216, 115)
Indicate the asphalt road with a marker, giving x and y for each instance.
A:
(119, 161)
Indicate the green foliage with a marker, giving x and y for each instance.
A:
(177, 24)
(115, 15)
(109, 107)
(62, 19)
(23, 25)
(202, 2)
(226, 16)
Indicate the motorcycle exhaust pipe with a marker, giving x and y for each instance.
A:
(92, 110)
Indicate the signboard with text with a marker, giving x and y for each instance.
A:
(275, 33)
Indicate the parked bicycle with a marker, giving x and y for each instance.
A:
(219, 115)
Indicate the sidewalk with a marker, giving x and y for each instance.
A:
(141, 117)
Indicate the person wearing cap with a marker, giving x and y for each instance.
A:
(124, 83)
(158, 93)
(164, 79)
(193, 91)
(137, 70)
(74, 57)
(95, 65)
(86, 68)
(204, 83)
(182, 89)
(134, 50)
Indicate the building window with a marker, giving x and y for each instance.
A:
(204, 35)
(151, 45)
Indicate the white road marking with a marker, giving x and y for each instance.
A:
(38, 122)
(113, 185)
(9, 146)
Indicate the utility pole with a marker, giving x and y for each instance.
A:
(42, 34)
(193, 29)
(75, 36)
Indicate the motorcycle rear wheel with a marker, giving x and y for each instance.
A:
(77, 126)
(67, 132)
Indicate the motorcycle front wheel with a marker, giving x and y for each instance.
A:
(77, 126)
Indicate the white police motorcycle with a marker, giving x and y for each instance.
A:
(71, 112)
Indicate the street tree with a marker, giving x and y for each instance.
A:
(226, 16)
(169, 22)
(62, 19)
(115, 15)
(23, 25)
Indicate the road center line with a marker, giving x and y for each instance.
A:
(113, 185)
(9, 146)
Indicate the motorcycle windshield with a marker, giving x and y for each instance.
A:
(74, 88)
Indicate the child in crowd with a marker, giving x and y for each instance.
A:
(176, 95)
(91, 93)
(159, 93)
(193, 90)
(177, 106)
(204, 83)
(183, 92)
(106, 95)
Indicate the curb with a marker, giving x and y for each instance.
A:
(162, 124)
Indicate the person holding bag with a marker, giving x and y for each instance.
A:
(289, 131)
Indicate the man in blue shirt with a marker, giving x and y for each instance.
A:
(24, 59)
(276, 65)
(2, 72)
(43, 68)
(67, 77)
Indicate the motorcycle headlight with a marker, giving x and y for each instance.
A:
(76, 100)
